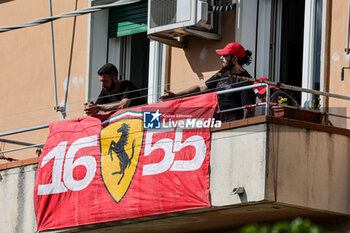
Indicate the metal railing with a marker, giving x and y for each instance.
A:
(266, 105)
(238, 89)
(27, 145)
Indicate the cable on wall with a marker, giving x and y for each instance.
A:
(68, 14)
(64, 112)
(53, 59)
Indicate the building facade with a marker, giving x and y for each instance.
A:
(295, 168)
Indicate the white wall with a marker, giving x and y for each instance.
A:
(238, 159)
(16, 200)
(97, 51)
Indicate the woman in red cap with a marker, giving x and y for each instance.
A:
(233, 57)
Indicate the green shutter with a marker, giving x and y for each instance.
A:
(127, 20)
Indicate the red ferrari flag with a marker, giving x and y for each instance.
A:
(132, 163)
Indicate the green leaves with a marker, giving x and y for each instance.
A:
(298, 225)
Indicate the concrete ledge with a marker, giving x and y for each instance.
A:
(226, 126)
(282, 121)
(19, 163)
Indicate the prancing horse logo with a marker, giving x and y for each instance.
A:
(121, 143)
(119, 149)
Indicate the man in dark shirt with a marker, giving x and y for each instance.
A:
(233, 57)
(115, 94)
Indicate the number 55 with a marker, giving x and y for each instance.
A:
(170, 147)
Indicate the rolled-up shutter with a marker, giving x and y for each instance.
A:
(127, 20)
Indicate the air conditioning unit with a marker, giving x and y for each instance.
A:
(169, 19)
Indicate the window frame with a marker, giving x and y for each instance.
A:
(100, 53)
(268, 44)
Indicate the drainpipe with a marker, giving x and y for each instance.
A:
(347, 49)
(256, 37)
(57, 108)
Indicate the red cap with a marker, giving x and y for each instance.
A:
(261, 90)
(233, 49)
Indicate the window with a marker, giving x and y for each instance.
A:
(118, 35)
(128, 45)
(285, 37)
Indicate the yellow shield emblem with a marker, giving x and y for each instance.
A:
(121, 144)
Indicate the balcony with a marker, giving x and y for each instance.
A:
(280, 168)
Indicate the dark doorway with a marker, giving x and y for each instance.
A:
(292, 36)
(139, 60)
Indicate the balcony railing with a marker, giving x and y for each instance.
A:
(266, 105)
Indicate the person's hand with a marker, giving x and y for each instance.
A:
(124, 103)
(90, 108)
(167, 95)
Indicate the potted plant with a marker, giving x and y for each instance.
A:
(312, 114)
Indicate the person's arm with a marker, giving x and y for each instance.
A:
(209, 84)
(91, 108)
(190, 90)
(124, 103)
